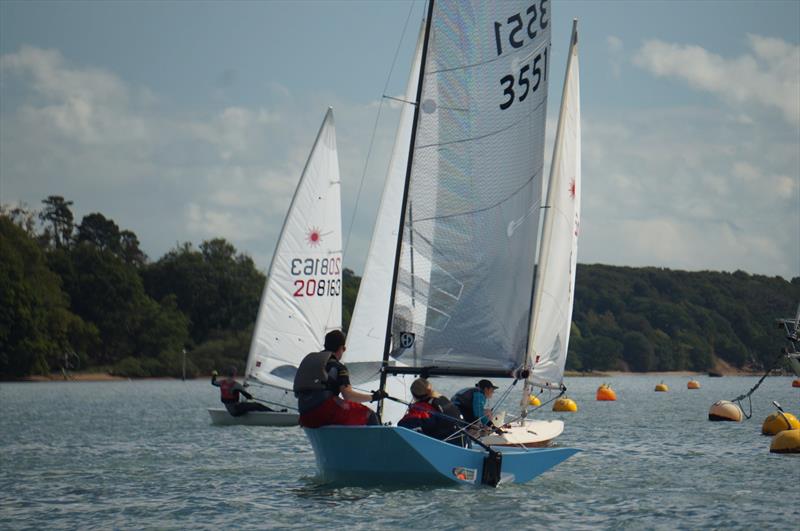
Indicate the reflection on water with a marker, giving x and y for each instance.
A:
(143, 454)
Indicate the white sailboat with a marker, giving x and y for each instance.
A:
(302, 298)
(463, 273)
(555, 280)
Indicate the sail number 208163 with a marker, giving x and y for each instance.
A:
(316, 267)
(517, 86)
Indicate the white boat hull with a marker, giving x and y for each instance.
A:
(221, 417)
(531, 434)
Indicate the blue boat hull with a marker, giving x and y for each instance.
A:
(384, 455)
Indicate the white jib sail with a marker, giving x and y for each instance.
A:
(555, 282)
(302, 298)
(367, 333)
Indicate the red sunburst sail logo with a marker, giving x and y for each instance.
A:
(572, 189)
(314, 237)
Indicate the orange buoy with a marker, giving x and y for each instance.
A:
(693, 384)
(565, 405)
(725, 410)
(604, 392)
(796, 382)
(534, 401)
(786, 442)
(662, 387)
(778, 422)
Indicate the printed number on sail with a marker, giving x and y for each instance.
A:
(316, 267)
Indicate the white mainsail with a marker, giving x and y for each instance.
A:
(302, 295)
(474, 184)
(555, 279)
(367, 333)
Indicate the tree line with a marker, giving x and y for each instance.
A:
(83, 296)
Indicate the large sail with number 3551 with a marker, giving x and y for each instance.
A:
(302, 296)
(474, 188)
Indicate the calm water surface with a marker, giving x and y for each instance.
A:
(143, 454)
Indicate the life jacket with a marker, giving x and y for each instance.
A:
(420, 410)
(311, 374)
(227, 392)
(463, 401)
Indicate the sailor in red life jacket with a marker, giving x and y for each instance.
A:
(229, 391)
(432, 414)
(320, 379)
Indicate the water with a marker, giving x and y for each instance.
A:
(142, 454)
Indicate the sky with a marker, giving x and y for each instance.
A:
(185, 121)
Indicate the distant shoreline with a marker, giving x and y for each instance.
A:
(105, 377)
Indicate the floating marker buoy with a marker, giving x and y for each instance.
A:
(534, 401)
(796, 382)
(778, 422)
(662, 387)
(725, 410)
(604, 392)
(786, 442)
(565, 405)
(693, 384)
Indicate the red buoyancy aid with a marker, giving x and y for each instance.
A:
(420, 410)
(227, 393)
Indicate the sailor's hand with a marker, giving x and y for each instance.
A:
(380, 394)
(214, 374)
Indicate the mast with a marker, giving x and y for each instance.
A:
(390, 316)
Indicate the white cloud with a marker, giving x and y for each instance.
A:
(769, 76)
(86, 134)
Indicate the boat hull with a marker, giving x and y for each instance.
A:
(221, 417)
(532, 434)
(395, 456)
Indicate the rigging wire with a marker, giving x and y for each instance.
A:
(738, 399)
(374, 130)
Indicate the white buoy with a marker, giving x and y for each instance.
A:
(725, 410)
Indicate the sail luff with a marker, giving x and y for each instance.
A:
(388, 338)
(289, 325)
(367, 333)
(551, 318)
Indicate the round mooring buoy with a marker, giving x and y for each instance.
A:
(566, 405)
(693, 384)
(605, 393)
(534, 401)
(662, 387)
(796, 382)
(725, 410)
(778, 422)
(786, 442)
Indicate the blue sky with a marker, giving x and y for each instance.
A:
(189, 120)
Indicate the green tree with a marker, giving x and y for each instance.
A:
(58, 215)
(638, 352)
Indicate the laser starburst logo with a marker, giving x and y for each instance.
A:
(314, 238)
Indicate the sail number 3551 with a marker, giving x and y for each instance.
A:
(517, 86)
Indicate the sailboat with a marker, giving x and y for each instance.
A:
(460, 290)
(302, 297)
(792, 329)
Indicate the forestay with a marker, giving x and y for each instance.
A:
(474, 190)
(555, 282)
(302, 295)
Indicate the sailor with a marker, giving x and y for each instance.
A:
(319, 381)
(230, 391)
(472, 404)
(432, 413)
